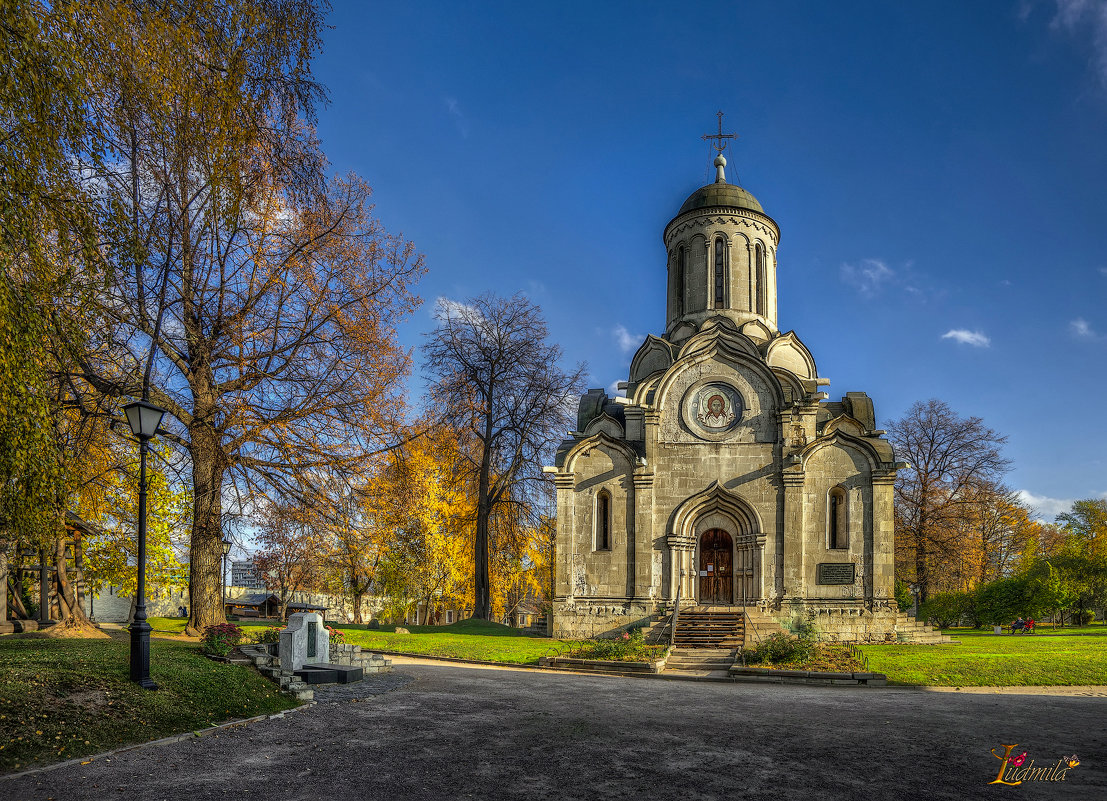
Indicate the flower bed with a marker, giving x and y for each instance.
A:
(624, 653)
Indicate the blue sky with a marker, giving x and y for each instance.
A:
(937, 171)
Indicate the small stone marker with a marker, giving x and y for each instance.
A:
(305, 640)
(402, 630)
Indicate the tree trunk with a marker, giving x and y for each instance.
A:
(18, 608)
(3, 586)
(482, 593)
(922, 574)
(357, 596)
(79, 571)
(61, 579)
(70, 612)
(206, 546)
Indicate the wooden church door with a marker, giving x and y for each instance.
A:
(716, 571)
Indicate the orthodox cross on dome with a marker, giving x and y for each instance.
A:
(720, 137)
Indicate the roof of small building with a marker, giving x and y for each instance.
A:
(720, 194)
(253, 599)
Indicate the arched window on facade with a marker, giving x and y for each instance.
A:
(837, 519)
(720, 273)
(682, 260)
(603, 521)
(759, 281)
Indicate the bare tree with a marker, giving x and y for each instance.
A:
(950, 457)
(289, 555)
(251, 297)
(499, 384)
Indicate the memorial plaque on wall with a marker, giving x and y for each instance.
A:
(834, 573)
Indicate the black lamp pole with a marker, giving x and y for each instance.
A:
(223, 578)
(143, 418)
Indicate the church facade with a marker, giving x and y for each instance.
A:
(726, 477)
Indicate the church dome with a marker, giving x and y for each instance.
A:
(720, 194)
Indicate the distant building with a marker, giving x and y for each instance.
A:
(245, 574)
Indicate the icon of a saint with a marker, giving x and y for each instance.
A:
(716, 413)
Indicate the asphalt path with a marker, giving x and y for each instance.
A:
(444, 731)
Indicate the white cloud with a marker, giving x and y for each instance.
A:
(868, 275)
(613, 390)
(1086, 19)
(1103, 271)
(1045, 507)
(626, 340)
(459, 118)
(1081, 329)
(975, 338)
(444, 307)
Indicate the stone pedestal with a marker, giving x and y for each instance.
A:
(304, 641)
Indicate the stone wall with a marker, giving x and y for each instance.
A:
(841, 622)
(586, 619)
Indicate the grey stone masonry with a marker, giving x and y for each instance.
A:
(726, 476)
(270, 666)
(345, 654)
(304, 641)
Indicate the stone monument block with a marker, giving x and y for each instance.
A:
(304, 641)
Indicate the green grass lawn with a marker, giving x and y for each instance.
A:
(1062, 656)
(466, 639)
(1071, 655)
(64, 698)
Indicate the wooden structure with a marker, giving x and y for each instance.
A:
(267, 605)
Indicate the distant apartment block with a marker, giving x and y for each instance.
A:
(245, 574)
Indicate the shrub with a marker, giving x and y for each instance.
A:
(1001, 601)
(1082, 617)
(629, 646)
(221, 639)
(947, 608)
(338, 637)
(781, 648)
(269, 635)
(904, 599)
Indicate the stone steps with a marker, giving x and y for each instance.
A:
(910, 630)
(700, 659)
(696, 628)
(341, 654)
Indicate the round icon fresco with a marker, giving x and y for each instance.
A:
(715, 408)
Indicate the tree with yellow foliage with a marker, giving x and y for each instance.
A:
(499, 384)
(111, 553)
(429, 516)
(251, 295)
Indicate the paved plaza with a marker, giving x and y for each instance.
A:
(444, 731)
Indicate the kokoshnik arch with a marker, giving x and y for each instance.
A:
(726, 477)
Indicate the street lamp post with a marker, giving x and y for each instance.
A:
(143, 418)
(223, 578)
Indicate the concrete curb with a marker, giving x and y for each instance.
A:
(1014, 689)
(1044, 689)
(173, 738)
(585, 671)
(456, 659)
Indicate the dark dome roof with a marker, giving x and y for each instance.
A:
(720, 194)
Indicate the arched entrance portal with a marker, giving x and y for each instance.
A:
(716, 573)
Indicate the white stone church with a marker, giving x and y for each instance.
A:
(726, 478)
